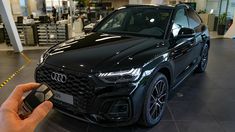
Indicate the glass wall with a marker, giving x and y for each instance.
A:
(24, 7)
(221, 6)
(57, 4)
(231, 8)
(213, 6)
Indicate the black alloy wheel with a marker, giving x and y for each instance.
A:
(155, 101)
(204, 60)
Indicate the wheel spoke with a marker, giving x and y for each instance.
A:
(162, 88)
(157, 99)
(156, 88)
(152, 106)
(204, 57)
(154, 98)
(158, 110)
(152, 111)
(162, 98)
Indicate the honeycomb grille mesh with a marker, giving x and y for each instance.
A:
(79, 85)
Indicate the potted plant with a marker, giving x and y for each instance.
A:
(222, 24)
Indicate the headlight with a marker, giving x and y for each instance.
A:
(41, 59)
(120, 76)
(43, 56)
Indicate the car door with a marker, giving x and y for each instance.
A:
(182, 48)
(199, 28)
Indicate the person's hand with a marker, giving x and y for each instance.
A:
(9, 118)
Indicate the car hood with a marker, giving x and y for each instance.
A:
(104, 52)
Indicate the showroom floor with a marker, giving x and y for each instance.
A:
(203, 103)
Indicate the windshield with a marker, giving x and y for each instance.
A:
(136, 21)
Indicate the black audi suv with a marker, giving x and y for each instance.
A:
(122, 72)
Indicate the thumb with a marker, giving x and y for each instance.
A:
(39, 113)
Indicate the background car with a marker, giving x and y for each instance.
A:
(123, 71)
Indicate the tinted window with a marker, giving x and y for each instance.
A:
(137, 21)
(193, 19)
(180, 21)
(115, 22)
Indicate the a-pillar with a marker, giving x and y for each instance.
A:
(5, 11)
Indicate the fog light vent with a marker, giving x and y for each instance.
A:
(119, 110)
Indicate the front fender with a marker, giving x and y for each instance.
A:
(155, 65)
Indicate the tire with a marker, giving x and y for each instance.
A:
(203, 63)
(155, 101)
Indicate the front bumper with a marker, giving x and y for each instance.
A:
(101, 103)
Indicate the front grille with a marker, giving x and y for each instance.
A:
(79, 85)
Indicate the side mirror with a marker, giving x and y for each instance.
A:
(203, 28)
(186, 33)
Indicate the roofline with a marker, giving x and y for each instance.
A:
(157, 5)
(148, 5)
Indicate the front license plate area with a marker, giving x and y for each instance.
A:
(63, 97)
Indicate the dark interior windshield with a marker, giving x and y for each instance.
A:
(136, 21)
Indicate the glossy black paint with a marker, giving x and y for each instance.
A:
(176, 57)
(120, 52)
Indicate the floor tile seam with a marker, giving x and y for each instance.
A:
(27, 59)
(217, 121)
(173, 118)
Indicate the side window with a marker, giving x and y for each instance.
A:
(180, 21)
(193, 19)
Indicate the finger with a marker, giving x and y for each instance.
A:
(39, 113)
(14, 99)
(21, 89)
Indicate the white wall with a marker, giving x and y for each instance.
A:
(135, 1)
(32, 6)
(119, 3)
(146, 1)
(201, 5)
(15, 8)
(157, 1)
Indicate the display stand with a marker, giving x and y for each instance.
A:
(231, 31)
(50, 34)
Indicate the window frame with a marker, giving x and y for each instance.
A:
(195, 13)
(173, 18)
(171, 11)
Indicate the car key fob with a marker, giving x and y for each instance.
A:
(34, 98)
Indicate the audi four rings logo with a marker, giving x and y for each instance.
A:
(58, 77)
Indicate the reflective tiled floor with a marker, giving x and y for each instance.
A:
(203, 103)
